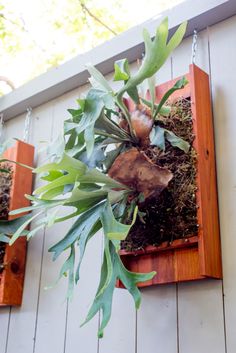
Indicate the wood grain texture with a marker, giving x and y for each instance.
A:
(12, 278)
(170, 261)
(208, 218)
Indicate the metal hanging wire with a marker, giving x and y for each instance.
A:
(194, 47)
(1, 126)
(27, 124)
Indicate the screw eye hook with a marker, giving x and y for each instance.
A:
(1, 125)
(194, 47)
(27, 124)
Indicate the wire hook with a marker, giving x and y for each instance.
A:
(27, 124)
(1, 125)
(194, 47)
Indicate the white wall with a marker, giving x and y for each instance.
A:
(197, 317)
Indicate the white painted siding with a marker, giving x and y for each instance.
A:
(197, 317)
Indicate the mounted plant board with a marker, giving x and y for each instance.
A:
(14, 256)
(199, 256)
(139, 175)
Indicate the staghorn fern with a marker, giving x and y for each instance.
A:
(91, 142)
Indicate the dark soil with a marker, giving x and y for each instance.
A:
(5, 186)
(174, 214)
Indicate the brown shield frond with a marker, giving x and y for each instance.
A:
(134, 169)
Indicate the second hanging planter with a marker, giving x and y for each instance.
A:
(14, 259)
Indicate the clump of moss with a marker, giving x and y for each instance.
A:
(5, 187)
(173, 215)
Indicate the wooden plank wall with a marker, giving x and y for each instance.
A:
(195, 317)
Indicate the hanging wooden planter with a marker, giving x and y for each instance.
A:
(12, 276)
(195, 257)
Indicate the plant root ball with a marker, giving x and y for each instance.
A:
(141, 121)
(142, 124)
(134, 169)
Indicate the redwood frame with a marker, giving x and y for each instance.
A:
(197, 257)
(12, 277)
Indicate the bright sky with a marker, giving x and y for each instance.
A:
(37, 17)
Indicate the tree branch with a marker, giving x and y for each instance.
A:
(84, 7)
(23, 28)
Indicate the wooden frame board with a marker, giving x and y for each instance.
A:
(12, 277)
